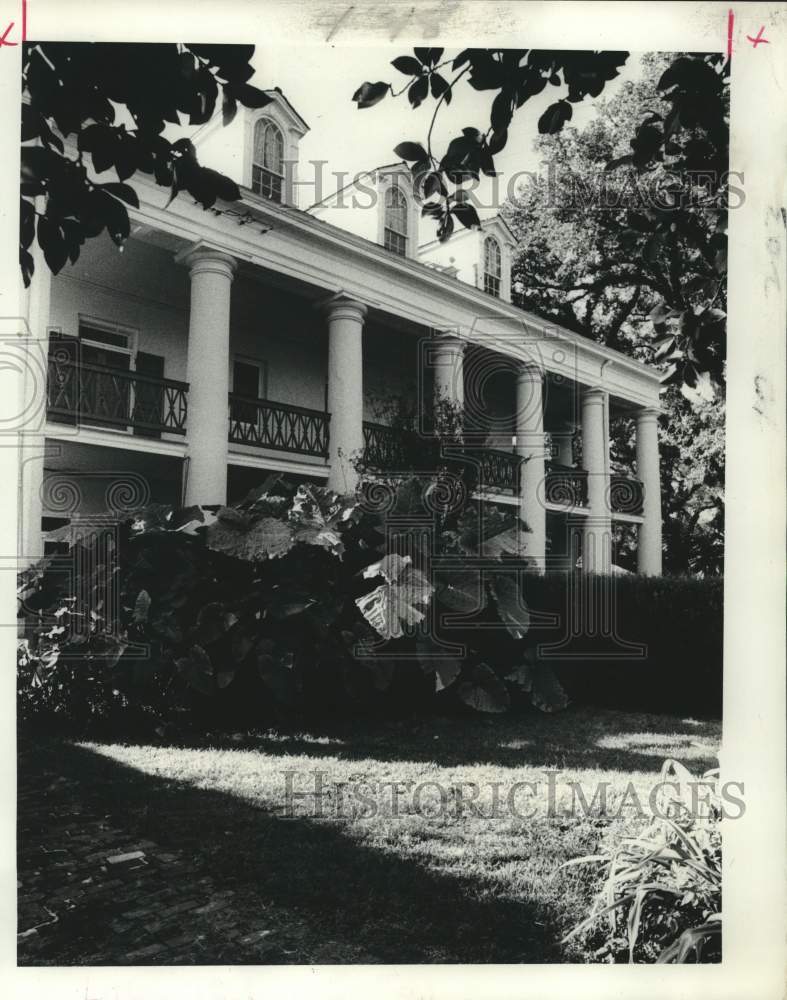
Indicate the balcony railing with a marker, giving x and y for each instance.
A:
(114, 397)
(278, 426)
(625, 495)
(110, 397)
(566, 486)
(498, 470)
(385, 448)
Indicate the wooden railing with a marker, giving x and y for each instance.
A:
(385, 448)
(566, 486)
(498, 470)
(114, 397)
(278, 426)
(626, 495)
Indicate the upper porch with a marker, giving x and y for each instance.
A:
(259, 337)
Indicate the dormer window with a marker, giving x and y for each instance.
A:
(395, 226)
(267, 172)
(493, 266)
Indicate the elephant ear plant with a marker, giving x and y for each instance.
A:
(660, 894)
(295, 599)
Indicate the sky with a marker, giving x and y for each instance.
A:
(319, 82)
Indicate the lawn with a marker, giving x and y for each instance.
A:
(458, 868)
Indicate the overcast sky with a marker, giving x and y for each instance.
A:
(319, 82)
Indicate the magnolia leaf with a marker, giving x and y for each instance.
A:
(411, 151)
(555, 117)
(369, 94)
(484, 691)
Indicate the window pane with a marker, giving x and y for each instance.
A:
(492, 285)
(396, 211)
(395, 242)
(268, 160)
(87, 332)
(245, 383)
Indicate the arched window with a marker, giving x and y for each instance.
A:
(267, 170)
(395, 225)
(493, 266)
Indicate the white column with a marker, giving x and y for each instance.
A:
(449, 380)
(32, 442)
(562, 439)
(207, 424)
(649, 539)
(345, 319)
(597, 534)
(531, 447)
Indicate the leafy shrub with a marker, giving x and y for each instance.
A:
(678, 621)
(661, 891)
(295, 599)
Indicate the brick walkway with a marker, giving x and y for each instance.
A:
(92, 891)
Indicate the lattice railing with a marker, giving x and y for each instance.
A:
(113, 397)
(278, 426)
(385, 448)
(626, 495)
(498, 470)
(566, 486)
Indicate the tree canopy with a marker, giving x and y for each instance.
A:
(676, 150)
(575, 265)
(105, 106)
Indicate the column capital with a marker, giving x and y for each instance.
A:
(341, 306)
(448, 338)
(529, 371)
(647, 414)
(202, 258)
(593, 394)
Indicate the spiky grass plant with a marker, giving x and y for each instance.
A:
(660, 894)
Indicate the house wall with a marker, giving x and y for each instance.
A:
(142, 288)
(145, 290)
(355, 209)
(462, 251)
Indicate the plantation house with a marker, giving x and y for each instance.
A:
(225, 344)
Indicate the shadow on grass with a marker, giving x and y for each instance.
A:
(579, 738)
(391, 908)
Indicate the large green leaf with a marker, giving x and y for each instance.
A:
(484, 691)
(197, 670)
(460, 590)
(268, 538)
(540, 681)
(434, 660)
(507, 594)
(396, 605)
(275, 666)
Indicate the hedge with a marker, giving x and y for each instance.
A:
(679, 621)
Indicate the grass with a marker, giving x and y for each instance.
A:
(439, 878)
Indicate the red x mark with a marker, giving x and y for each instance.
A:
(759, 40)
(4, 39)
